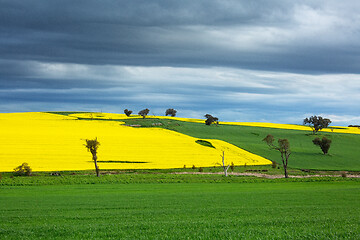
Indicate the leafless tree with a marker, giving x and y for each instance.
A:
(223, 164)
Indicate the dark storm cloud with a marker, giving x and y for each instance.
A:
(183, 33)
(258, 60)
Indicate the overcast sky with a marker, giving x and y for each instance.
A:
(274, 61)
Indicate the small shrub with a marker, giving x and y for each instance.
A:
(232, 166)
(201, 169)
(193, 167)
(324, 144)
(274, 164)
(0, 176)
(23, 170)
(184, 166)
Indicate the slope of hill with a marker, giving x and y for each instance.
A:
(53, 142)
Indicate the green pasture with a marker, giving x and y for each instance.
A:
(269, 210)
(344, 152)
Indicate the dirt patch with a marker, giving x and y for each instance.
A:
(262, 175)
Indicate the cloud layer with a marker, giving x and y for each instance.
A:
(274, 61)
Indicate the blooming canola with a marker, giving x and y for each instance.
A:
(51, 142)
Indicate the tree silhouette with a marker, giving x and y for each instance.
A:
(172, 112)
(92, 145)
(128, 112)
(283, 147)
(144, 112)
(324, 144)
(317, 123)
(210, 119)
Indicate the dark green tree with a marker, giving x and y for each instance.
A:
(144, 112)
(317, 123)
(324, 144)
(172, 112)
(92, 146)
(23, 170)
(283, 147)
(128, 112)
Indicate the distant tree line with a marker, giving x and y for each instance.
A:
(170, 111)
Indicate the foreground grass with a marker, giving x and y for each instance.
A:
(177, 175)
(269, 210)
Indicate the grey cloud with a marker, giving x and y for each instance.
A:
(184, 33)
(242, 60)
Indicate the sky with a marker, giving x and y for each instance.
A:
(250, 61)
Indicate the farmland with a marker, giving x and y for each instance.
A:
(267, 210)
(148, 188)
(54, 142)
(51, 142)
(248, 136)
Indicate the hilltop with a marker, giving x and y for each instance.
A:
(54, 141)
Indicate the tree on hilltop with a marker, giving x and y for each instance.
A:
(317, 123)
(128, 112)
(144, 112)
(283, 147)
(210, 119)
(92, 146)
(172, 112)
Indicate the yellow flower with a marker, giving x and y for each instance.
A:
(50, 142)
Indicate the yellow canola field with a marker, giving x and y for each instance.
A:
(116, 116)
(335, 129)
(49, 142)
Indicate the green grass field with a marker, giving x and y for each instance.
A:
(343, 153)
(155, 204)
(268, 210)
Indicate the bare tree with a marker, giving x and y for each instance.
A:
(283, 147)
(92, 145)
(223, 164)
